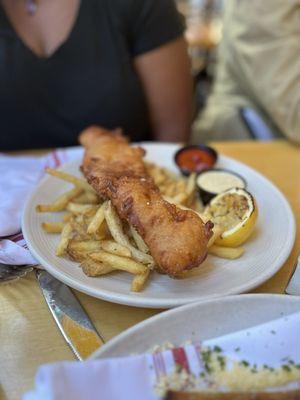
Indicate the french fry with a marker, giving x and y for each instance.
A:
(80, 183)
(115, 226)
(103, 232)
(156, 173)
(217, 232)
(177, 200)
(191, 184)
(86, 209)
(158, 177)
(88, 197)
(191, 189)
(53, 227)
(117, 262)
(171, 175)
(115, 248)
(180, 198)
(197, 205)
(169, 199)
(85, 246)
(66, 236)
(141, 245)
(230, 253)
(154, 170)
(97, 219)
(180, 186)
(162, 189)
(67, 217)
(95, 268)
(170, 189)
(60, 203)
(79, 227)
(75, 255)
(139, 281)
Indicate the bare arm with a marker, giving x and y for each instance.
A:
(167, 81)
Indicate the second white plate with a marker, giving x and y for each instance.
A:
(200, 321)
(266, 251)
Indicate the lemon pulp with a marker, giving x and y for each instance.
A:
(235, 211)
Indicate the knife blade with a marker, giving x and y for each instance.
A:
(293, 286)
(72, 320)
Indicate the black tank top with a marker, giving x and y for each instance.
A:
(90, 79)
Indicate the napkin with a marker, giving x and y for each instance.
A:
(275, 344)
(19, 175)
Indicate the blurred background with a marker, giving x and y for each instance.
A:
(203, 34)
(244, 61)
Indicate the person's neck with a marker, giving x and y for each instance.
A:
(46, 30)
(22, 6)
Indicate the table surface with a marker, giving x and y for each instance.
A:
(28, 334)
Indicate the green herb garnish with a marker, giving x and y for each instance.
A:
(217, 349)
(222, 361)
(206, 355)
(286, 367)
(244, 363)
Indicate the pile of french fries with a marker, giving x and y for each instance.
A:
(92, 233)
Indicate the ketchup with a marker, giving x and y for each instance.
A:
(195, 158)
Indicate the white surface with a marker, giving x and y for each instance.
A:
(19, 176)
(266, 250)
(294, 284)
(200, 322)
(270, 343)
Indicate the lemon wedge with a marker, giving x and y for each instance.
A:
(235, 211)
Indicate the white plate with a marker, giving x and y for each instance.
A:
(266, 251)
(200, 321)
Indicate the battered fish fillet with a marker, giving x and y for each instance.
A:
(177, 239)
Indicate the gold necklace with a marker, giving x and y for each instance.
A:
(31, 6)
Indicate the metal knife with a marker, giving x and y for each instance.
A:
(293, 286)
(72, 320)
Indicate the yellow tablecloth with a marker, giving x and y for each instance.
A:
(28, 334)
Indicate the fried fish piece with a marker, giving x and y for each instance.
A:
(177, 239)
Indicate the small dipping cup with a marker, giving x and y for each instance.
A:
(195, 158)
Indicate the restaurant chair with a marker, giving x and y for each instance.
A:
(256, 126)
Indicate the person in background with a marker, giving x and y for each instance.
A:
(67, 64)
(258, 74)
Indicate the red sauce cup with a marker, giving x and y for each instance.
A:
(195, 158)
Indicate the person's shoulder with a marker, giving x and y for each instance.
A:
(131, 7)
(130, 12)
(121, 8)
(124, 5)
